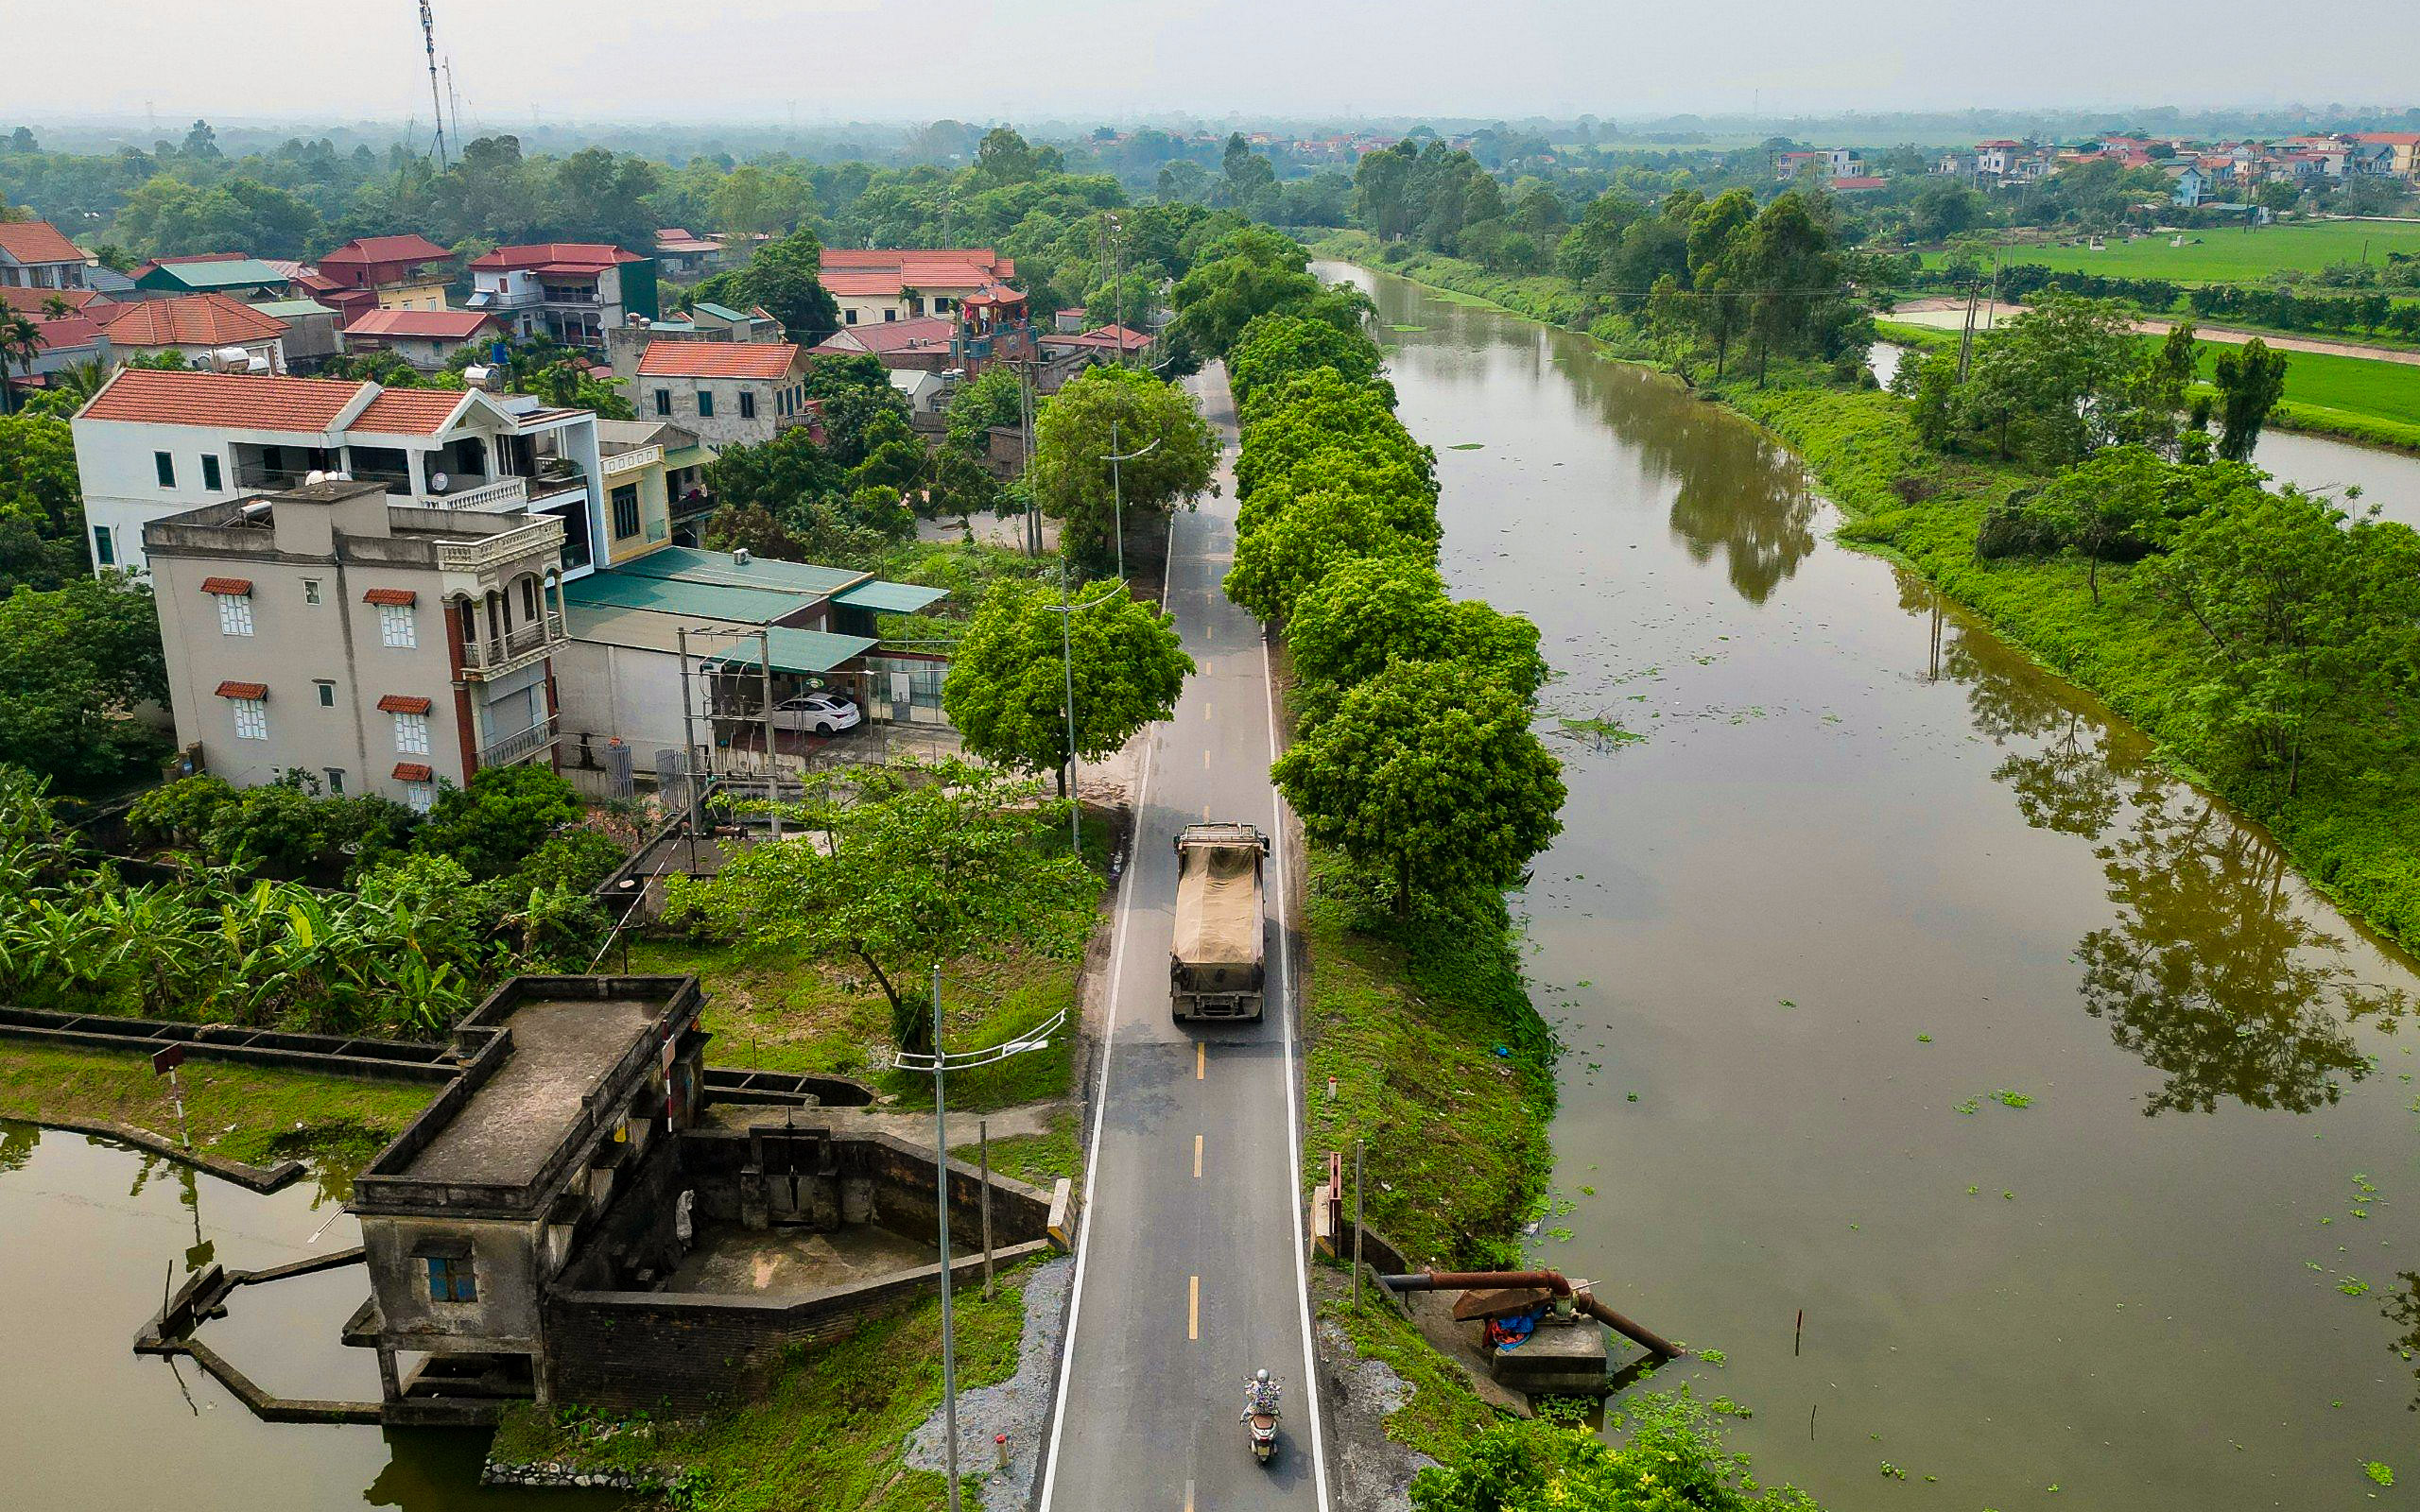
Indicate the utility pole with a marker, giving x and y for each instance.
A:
(688, 747)
(772, 751)
(453, 103)
(1067, 665)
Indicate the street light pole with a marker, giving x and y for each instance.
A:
(1117, 490)
(940, 1062)
(940, 1164)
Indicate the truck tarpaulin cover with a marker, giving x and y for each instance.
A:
(1217, 907)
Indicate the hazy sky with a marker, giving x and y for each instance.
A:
(1025, 60)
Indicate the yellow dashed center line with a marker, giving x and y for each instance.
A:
(1197, 1156)
(1201, 1057)
(1193, 1310)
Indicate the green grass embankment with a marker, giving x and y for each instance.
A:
(249, 1113)
(2356, 834)
(1544, 296)
(831, 1433)
(1440, 1063)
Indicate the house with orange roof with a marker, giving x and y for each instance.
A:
(427, 339)
(570, 292)
(407, 272)
(153, 442)
(726, 393)
(2402, 151)
(34, 255)
(207, 330)
(877, 283)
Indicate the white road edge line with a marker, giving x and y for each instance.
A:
(1100, 1105)
(1293, 1118)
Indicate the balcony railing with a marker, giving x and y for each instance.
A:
(543, 533)
(520, 746)
(512, 298)
(489, 656)
(633, 459)
(504, 494)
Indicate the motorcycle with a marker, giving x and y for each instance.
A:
(1260, 1416)
(1262, 1427)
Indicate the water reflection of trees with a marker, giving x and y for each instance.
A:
(2208, 971)
(2403, 1310)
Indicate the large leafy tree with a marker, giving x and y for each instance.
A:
(782, 476)
(1007, 692)
(2311, 622)
(918, 864)
(504, 813)
(785, 276)
(1272, 347)
(1123, 412)
(1373, 611)
(2251, 379)
(41, 508)
(1431, 774)
(2061, 381)
(1301, 533)
(74, 661)
(853, 393)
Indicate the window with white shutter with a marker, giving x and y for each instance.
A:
(395, 626)
(234, 614)
(251, 717)
(411, 734)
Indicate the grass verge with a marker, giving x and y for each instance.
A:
(1440, 1063)
(1443, 1415)
(247, 1113)
(1036, 1159)
(830, 1434)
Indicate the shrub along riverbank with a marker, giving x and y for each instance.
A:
(2348, 809)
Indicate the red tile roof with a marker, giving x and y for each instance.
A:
(717, 359)
(426, 325)
(1852, 182)
(409, 411)
(64, 334)
(243, 690)
(407, 249)
(413, 772)
(190, 321)
(396, 596)
(38, 241)
(931, 332)
(398, 703)
(242, 402)
(226, 585)
(550, 256)
(29, 301)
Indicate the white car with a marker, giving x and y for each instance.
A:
(820, 713)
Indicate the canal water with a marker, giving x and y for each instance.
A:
(90, 1234)
(1902, 995)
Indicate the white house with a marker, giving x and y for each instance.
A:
(728, 393)
(153, 443)
(427, 339)
(207, 330)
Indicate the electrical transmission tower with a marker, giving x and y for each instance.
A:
(436, 96)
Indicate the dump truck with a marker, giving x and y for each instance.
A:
(1216, 962)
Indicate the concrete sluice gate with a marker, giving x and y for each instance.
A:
(570, 1220)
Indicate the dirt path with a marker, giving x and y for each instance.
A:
(1951, 315)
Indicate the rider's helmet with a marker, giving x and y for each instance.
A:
(1262, 1378)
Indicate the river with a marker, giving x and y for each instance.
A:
(90, 1233)
(1901, 993)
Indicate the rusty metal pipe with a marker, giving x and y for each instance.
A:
(1554, 1281)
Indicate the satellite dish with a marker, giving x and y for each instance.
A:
(437, 482)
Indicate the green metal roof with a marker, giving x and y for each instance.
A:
(720, 312)
(689, 564)
(805, 652)
(291, 309)
(240, 272)
(679, 457)
(891, 598)
(622, 588)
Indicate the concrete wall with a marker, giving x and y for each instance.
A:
(611, 690)
(506, 1261)
(295, 646)
(725, 426)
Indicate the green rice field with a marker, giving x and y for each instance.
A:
(2229, 256)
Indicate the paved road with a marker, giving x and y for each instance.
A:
(1189, 1270)
(1951, 315)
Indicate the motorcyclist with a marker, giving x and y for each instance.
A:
(1260, 1395)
